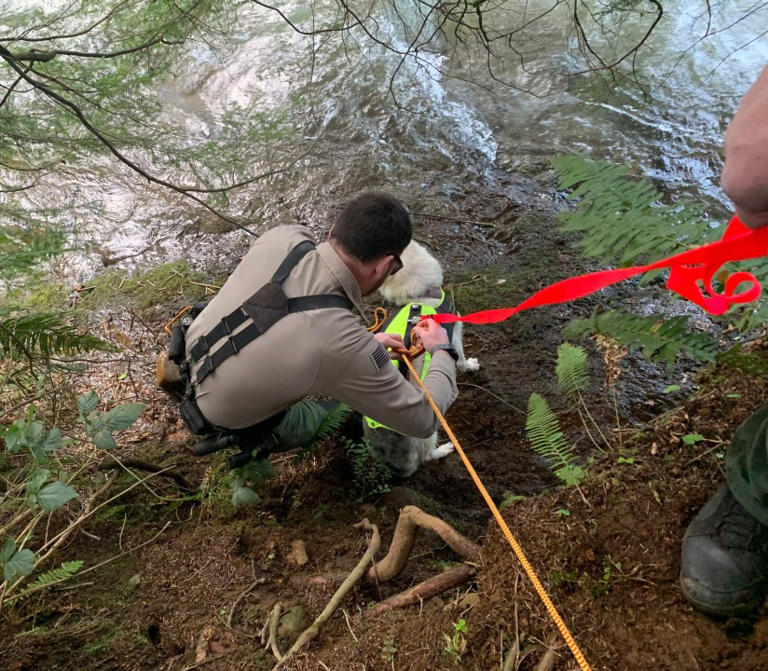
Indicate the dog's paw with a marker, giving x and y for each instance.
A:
(471, 365)
(440, 451)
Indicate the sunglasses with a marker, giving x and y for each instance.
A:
(398, 264)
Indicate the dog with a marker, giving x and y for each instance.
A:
(419, 282)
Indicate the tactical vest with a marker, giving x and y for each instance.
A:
(402, 323)
(264, 309)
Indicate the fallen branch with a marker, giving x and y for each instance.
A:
(357, 573)
(427, 589)
(411, 518)
(140, 465)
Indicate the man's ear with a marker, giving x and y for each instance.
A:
(383, 266)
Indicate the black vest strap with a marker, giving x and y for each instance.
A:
(264, 309)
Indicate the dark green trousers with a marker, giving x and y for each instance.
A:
(746, 465)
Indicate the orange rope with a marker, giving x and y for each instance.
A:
(181, 313)
(379, 317)
(561, 626)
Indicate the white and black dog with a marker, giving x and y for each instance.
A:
(418, 283)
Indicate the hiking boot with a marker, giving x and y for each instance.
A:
(724, 567)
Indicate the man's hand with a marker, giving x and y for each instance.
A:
(392, 341)
(430, 333)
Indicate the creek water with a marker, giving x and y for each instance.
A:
(362, 117)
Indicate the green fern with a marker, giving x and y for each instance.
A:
(24, 247)
(308, 422)
(57, 575)
(624, 218)
(43, 335)
(659, 339)
(543, 430)
(571, 369)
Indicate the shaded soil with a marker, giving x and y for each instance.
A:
(198, 594)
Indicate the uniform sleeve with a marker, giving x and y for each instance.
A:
(357, 371)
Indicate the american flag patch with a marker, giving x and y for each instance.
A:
(380, 357)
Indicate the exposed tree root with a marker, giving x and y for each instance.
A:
(411, 518)
(427, 589)
(314, 629)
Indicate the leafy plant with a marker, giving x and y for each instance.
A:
(659, 339)
(456, 644)
(308, 422)
(572, 377)
(543, 430)
(389, 650)
(371, 477)
(623, 220)
(37, 486)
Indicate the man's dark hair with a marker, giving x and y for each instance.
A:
(373, 224)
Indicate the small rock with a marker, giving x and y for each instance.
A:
(292, 623)
(298, 553)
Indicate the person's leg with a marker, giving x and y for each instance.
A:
(724, 565)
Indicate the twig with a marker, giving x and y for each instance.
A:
(258, 581)
(269, 632)
(141, 465)
(357, 573)
(442, 217)
(349, 626)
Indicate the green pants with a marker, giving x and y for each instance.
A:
(746, 465)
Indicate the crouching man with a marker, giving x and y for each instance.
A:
(283, 328)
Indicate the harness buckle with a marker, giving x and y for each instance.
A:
(206, 368)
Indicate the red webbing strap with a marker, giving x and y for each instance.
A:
(690, 275)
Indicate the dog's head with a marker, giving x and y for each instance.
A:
(420, 276)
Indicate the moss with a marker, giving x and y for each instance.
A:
(169, 283)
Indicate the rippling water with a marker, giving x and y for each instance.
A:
(425, 136)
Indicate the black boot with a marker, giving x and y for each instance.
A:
(724, 567)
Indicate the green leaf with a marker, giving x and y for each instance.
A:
(122, 416)
(104, 440)
(55, 495)
(256, 471)
(87, 402)
(243, 496)
(692, 438)
(21, 563)
(563, 512)
(671, 388)
(37, 480)
(9, 547)
(571, 475)
(11, 437)
(52, 441)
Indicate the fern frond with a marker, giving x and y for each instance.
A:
(571, 369)
(57, 575)
(307, 422)
(44, 335)
(659, 339)
(543, 430)
(24, 247)
(333, 421)
(623, 218)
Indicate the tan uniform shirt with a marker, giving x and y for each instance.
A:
(317, 352)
